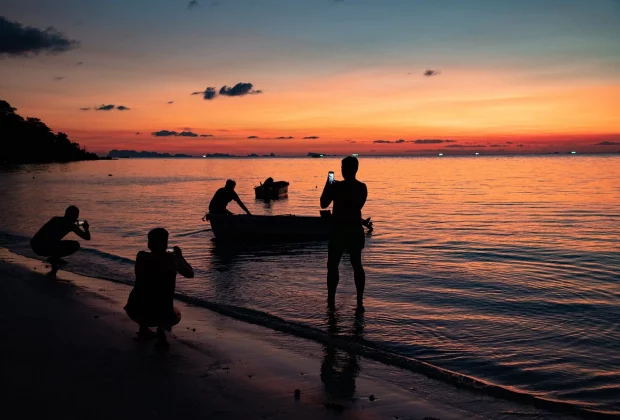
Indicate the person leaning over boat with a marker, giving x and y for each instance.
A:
(223, 196)
(348, 196)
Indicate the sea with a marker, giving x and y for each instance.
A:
(501, 270)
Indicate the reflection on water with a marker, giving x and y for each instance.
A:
(500, 268)
(340, 368)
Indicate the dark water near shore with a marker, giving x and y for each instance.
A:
(505, 269)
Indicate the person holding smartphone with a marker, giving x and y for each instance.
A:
(150, 303)
(48, 241)
(349, 197)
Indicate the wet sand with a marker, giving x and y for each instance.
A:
(67, 352)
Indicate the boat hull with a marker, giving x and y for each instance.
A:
(289, 227)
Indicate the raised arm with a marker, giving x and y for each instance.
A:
(327, 196)
(84, 234)
(182, 265)
(238, 200)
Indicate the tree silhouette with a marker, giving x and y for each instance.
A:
(29, 140)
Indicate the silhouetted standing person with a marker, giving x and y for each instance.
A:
(150, 303)
(349, 197)
(48, 241)
(223, 196)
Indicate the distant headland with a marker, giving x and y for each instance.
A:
(133, 154)
(29, 140)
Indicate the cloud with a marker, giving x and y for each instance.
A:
(79, 63)
(26, 41)
(170, 102)
(240, 89)
(419, 141)
(432, 141)
(109, 107)
(462, 146)
(429, 73)
(208, 94)
(608, 143)
(164, 133)
(253, 137)
(206, 135)
(508, 142)
(59, 78)
(285, 138)
(137, 133)
(310, 137)
(192, 4)
(187, 134)
(172, 133)
(495, 145)
(122, 108)
(105, 108)
(84, 109)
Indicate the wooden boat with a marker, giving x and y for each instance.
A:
(271, 190)
(269, 228)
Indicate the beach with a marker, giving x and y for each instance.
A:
(68, 352)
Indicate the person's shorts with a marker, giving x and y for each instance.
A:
(347, 237)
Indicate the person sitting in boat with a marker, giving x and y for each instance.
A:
(150, 303)
(48, 241)
(223, 196)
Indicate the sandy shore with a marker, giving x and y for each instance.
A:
(67, 352)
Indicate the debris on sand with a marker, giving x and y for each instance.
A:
(371, 397)
(297, 394)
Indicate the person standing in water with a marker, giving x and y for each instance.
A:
(48, 241)
(150, 303)
(348, 196)
(223, 196)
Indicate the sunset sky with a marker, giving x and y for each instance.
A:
(338, 76)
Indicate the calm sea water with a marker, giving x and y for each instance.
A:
(506, 269)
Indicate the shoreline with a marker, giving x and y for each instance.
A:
(69, 353)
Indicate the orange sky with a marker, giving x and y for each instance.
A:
(537, 86)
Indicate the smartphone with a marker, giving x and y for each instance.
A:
(80, 222)
(330, 177)
(170, 250)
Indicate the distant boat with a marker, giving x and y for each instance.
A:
(270, 228)
(271, 190)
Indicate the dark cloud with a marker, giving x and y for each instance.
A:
(285, 138)
(462, 146)
(608, 143)
(192, 4)
(432, 141)
(59, 78)
(105, 108)
(79, 63)
(429, 73)
(187, 134)
(122, 108)
(382, 141)
(170, 102)
(253, 137)
(206, 135)
(495, 145)
(25, 41)
(310, 137)
(137, 133)
(520, 145)
(208, 94)
(164, 133)
(508, 142)
(240, 89)
(84, 109)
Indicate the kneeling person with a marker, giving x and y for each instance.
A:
(48, 241)
(150, 303)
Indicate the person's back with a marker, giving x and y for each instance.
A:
(349, 197)
(220, 200)
(156, 280)
(51, 233)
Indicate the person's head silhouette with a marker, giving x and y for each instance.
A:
(158, 240)
(349, 167)
(72, 213)
(230, 184)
